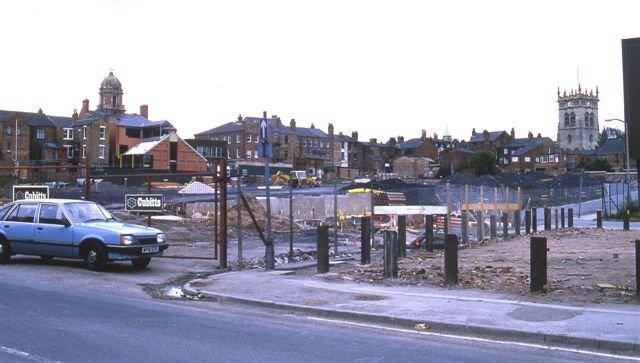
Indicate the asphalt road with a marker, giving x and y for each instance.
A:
(69, 319)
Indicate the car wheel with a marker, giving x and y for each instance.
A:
(46, 259)
(5, 251)
(96, 257)
(141, 262)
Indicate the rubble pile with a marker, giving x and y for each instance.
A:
(278, 224)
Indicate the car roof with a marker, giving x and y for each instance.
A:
(53, 200)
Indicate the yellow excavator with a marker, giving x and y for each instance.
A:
(297, 179)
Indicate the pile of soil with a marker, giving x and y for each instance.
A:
(278, 224)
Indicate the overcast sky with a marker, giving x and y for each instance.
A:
(384, 68)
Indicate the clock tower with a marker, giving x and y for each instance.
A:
(578, 127)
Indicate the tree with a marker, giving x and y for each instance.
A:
(443, 172)
(483, 162)
(598, 164)
(609, 133)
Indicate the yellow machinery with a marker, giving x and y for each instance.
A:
(297, 178)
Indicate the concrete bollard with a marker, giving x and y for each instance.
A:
(451, 259)
(428, 244)
(480, 225)
(534, 220)
(625, 220)
(505, 224)
(570, 217)
(390, 254)
(527, 222)
(599, 219)
(555, 213)
(547, 219)
(365, 240)
(322, 245)
(562, 218)
(402, 236)
(638, 268)
(464, 227)
(516, 220)
(538, 262)
(493, 225)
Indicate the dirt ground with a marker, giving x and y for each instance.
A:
(584, 265)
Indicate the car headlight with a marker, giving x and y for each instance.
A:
(161, 238)
(126, 240)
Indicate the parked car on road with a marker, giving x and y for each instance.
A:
(75, 229)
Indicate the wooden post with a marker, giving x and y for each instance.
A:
(240, 261)
(390, 254)
(505, 224)
(365, 240)
(480, 225)
(322, 245)
(599, 219)
(222, 236)
(493, 224)
(547, 219)
(562, 224)
(428, 245)
(516, 221)
(464, 227)
(290, 219)
(556, 217)
(625, 220)
(534, 220)
(447, 222)
(527, 222)
(538, 262)
(570, 218)
(451, 259)
(402, 236)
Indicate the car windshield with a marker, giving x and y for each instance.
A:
(88, 212)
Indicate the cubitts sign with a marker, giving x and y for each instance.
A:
(143, 202)
(631, 85)
(30, 192)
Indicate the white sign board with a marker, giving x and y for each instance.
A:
(406, 210)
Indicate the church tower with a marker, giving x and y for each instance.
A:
(111, 95)
(578, 127)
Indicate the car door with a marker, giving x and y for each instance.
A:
(53, 235)
(18, 227)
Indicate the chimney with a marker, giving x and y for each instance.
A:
(485, 134)
(240, 118)
(400, 139)
(424, 134)
(473, 132)
(539, 136)
(392, 141)
(144, 111)
(85, 107)
(513, 133)
(354, 135)
(74, 117)
(313, 126)
(373, 141)
(292, 124)
(330, 129)
(40, 111)
(530, 136)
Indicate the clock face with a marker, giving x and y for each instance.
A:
(588, 104)
(570, 104)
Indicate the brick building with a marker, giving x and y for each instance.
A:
(487, 140)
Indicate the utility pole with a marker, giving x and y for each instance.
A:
(335, 214)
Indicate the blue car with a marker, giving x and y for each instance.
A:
(75, 229)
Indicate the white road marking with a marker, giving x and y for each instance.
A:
(475, 339)
(26, 355)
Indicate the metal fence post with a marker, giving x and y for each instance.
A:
(87, 182)
(428, 244)
(555, 214)
(402, 236)
(239, 223)
(625, 219)
(538, 262)
(390, 254)
(464, 227)
(322, 244)
(562, 217)
(516, 220)
(505, 224)
(451, 259)
(365, 240)
(638, 267)
(599, 219)
(223, 210)
(480, 225)
(527, 222)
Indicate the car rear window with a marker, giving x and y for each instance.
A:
(4, 209)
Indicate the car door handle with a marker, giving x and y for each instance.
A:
(6, 226)
(39, 228)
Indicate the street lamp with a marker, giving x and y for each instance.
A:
(626, 141)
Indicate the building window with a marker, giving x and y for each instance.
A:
(328, 145)
(114, 100)
(590, 138)
(527, 159)
(321, 144)
(69, 151)
(237, 139)
(569, 139)
(237, 153)
(255, 154)
(18, 132)
(248, 154)
(8, 146)
(84, 132)
(103, 132)
(566, 119)
(573, 119)
(286, 139)
(315, 143)
(68, 134)
(515, 159)
(101, 151)
(248, 138)
(7, 129)
(40, 134)
(255, 139)
(304, 143)
(84, 151)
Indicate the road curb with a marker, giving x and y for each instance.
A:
(433, 326)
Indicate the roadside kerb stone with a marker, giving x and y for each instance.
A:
(433, 326)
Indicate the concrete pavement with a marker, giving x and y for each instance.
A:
(602, 326)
